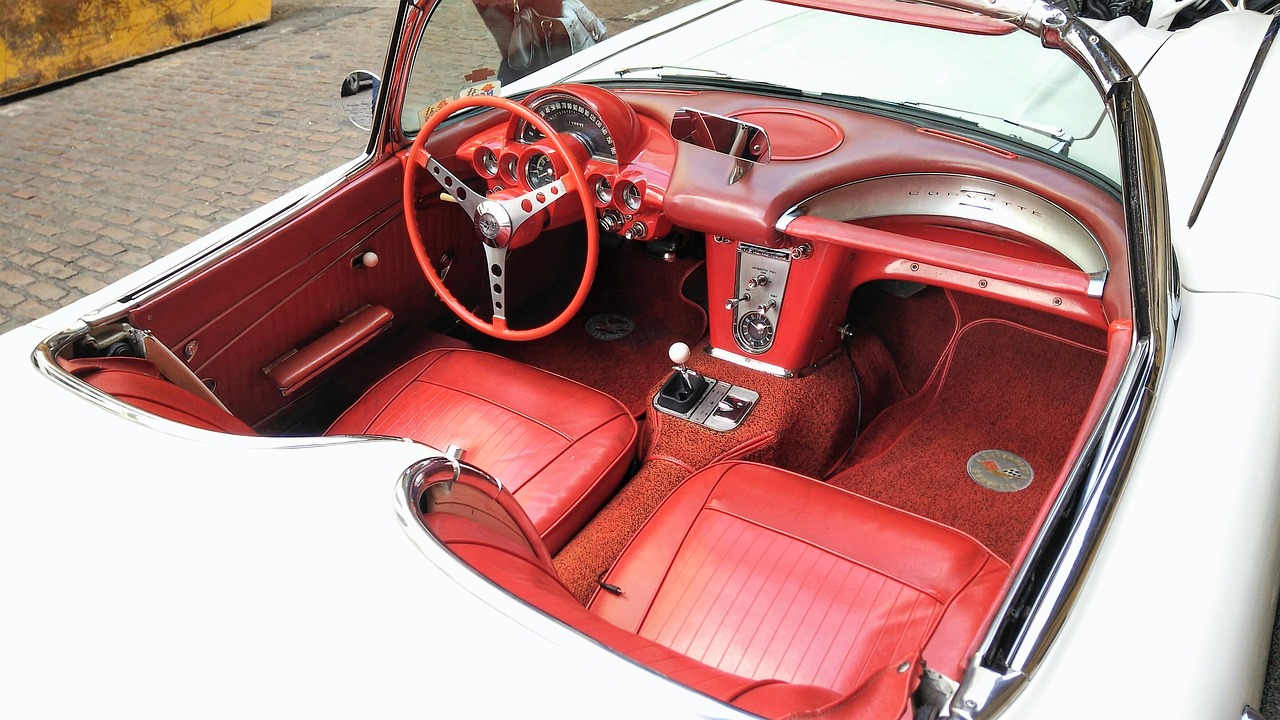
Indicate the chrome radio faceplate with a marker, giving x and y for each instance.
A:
(757, 301)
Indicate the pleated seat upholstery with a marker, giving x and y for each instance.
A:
(775, 592)
(560, 447)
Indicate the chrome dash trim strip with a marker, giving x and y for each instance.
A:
(966, 197)
(750, 363)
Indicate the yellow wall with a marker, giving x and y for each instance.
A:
(43, 41)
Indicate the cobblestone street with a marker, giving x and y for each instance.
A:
(102, 175)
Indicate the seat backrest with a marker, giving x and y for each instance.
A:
(514, 567)
(767, 573)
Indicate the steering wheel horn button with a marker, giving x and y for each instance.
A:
(493, 224)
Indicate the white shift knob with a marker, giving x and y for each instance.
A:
(679, 353)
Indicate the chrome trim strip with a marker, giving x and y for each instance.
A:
(961, 196)
(1265, 47)
(750, 363)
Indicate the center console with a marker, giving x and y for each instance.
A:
(782, 306)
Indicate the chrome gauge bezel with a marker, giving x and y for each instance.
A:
(750, 342)
(488, 162)
(603, 190)
(539, 171)
(559, 110)
(632, 197)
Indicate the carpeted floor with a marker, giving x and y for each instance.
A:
(1001, 386)
(645, 290)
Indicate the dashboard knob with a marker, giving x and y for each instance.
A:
(610, 221)
(758, 281)
(369, 259)
(732, 303)
(636, 231)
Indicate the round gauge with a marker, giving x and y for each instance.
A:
(488, 161)
(631, 197)
(604, 190)
(755, 331)
(538, 172)
(570, 116)
(509, 162)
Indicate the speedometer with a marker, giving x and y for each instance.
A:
(568, 115)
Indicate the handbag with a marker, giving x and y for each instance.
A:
(538, 40)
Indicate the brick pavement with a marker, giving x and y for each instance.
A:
(101, 176)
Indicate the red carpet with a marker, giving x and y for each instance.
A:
(647, 291)
(1001, 387)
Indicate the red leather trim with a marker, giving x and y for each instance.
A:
(515, 568)
(912, 14)
(303, 366)
(137, 382)
(853, 656)
(795, 134)
(945, 256)
(560, 447)
(969, 141)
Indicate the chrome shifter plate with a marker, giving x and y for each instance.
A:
(723, 407)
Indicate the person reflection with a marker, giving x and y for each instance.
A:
(532, 34)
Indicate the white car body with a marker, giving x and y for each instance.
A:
(176, 572)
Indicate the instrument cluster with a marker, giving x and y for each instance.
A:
(606, 138)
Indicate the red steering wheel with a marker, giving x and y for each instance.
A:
(497, 220)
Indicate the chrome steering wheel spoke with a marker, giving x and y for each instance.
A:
(522, 208)
(454, 189)
(496, 260)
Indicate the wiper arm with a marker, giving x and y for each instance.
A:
(716, 78)
(690, 70)
(1061, 147)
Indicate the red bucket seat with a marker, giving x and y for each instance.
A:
(774, 592)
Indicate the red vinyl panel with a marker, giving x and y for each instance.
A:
(296, 283)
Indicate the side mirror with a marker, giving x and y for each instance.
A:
(359, 95)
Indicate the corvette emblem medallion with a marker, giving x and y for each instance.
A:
(1000, 470)
(609, 326)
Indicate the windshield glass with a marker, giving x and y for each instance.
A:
(1005, 85)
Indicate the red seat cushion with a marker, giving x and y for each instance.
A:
(561, 447)
(768, 574)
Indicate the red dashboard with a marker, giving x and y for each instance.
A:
(845, 197)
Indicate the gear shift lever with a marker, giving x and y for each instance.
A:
(679, 354)
(685, 387)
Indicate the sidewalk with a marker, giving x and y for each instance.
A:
(105, 174)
